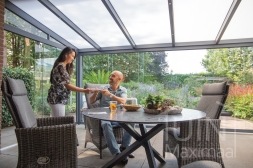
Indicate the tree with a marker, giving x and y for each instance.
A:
(235, 63)
(135, 66)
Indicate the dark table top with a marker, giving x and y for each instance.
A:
(121, 115)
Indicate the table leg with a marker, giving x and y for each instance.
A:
(140, 141)
(148, 148)
(156, 154)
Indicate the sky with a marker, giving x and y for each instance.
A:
(185, 62)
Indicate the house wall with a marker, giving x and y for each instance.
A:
(1, 56)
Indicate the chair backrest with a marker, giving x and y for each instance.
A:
(15, 95)
(87, 96)
(213, 99)
(131, 100)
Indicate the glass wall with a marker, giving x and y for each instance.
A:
(169, 74)
(37, 58)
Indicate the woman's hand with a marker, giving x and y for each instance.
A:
(87, 91)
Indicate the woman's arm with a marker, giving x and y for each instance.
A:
(77, 89)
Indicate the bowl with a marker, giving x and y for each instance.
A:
(131, 107)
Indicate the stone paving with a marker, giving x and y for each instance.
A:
(236, 149)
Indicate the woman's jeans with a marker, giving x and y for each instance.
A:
(110, 138)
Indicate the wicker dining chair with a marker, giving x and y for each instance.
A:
(198, 140)
(212, 101)
(94, 131)
(42, 142)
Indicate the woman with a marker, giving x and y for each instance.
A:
(59, 91)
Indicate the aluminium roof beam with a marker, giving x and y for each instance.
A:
(117, 19)
(14, 9)
(168, 47)
(227, 19)
(66, 20)
(171, 15)
(31, 36)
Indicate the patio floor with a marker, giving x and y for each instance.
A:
(236, 150)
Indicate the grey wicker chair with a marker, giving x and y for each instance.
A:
(42, 142)
(212, 100)
(94, 132)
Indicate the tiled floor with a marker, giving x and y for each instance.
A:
(236, 149)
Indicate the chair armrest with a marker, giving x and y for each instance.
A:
(55, 144)
(55, 121)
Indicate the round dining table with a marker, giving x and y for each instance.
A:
(141, 118)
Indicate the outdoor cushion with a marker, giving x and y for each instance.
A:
(212, 99)
(214, 88)
(22, 103)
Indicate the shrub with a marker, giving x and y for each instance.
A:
(240, 101)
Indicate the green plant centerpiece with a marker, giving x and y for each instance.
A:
(157, 104)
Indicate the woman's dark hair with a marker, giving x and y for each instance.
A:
(62, 58)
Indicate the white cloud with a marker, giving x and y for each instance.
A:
(185, 62)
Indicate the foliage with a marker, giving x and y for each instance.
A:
(71, 108)
(158, 67)
(194, 86)
(153, 101)
(101, 77)
(141, 90)
(183, 98)
(240, 101)
(135, 66)
(235, 63)
(27, 77)
(20, 51)
(42, 107)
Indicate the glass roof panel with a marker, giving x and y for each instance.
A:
(94, 19)
(147, 21)
(241, 25)
(16, 21)
(46, 17)
(199, 20)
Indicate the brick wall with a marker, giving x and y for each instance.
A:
(1, 56)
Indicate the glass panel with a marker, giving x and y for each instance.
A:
(16, 21)
(45, 58)
(94, 19)
(36, 9)
(198, 20)
(52, 39)
(158, 73)
(43, 67)
(241, 25)
(146, 20)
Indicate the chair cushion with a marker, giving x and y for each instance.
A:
(214, 88)
(22, 103)
(211, 105)
(87, 96)
(212, 99)
(16, 87)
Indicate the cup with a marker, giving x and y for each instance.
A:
(113, 106)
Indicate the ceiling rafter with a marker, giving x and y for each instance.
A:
(14, 9)
(227, 19)
(171, 15)
(117, 19)
(168, 47)
(31, 36)
(67, 21)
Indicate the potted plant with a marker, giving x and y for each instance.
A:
(156, 104)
